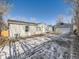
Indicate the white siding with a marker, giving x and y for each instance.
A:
(17, 29)
(43, 28)
(32, 30)
(62, 30)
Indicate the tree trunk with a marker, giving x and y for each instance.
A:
(1, 22)
(76, 48)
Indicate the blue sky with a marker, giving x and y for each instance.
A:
(45, 11)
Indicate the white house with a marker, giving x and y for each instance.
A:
(24, 29)
(63, 28)
(21, 28)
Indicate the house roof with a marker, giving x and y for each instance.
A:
(50, 25)
(24, 23)
(20, 22)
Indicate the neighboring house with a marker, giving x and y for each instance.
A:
(63, 28)
(24, 29)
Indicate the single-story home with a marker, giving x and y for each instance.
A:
(24, 29)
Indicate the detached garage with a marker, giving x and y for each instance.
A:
(63, 28)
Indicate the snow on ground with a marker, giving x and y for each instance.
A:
(22, 48)
(50, 51)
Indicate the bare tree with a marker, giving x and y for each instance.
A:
(75, 43)
(4, 6)
(75, 5)
(60, 19)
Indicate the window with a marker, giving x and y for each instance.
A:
(61, 23)
(26, 28)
